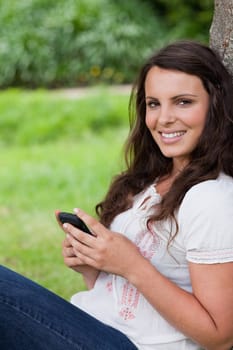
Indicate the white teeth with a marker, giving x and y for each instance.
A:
(172, 134)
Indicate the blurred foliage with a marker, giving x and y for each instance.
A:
(78, 42)
(70, 42)
(185, 19)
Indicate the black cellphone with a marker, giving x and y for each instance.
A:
(73, 220)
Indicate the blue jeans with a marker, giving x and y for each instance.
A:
(33, 318)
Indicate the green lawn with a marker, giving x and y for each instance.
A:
(72, 169)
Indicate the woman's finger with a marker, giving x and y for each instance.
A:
(91, 222)
(72, 261)
(66, 243)
(79, 246)
(68, 252)
(57, 218)
(78, 236)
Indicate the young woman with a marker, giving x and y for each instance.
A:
(159, 266)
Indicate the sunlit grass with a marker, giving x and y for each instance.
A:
(38, 178)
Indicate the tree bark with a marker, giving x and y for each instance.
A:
(221, 31)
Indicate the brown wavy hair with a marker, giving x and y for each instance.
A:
(144, 160)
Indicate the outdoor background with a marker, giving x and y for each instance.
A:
(66, 68)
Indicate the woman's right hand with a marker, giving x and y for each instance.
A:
(89, 273)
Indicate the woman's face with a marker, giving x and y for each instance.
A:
(176, 109)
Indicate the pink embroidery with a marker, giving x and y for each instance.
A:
(109, 286)
(148, 243)
(126, 314)
(129, 301)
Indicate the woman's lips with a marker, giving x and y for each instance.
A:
(172, 136)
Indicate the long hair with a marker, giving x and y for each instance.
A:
(144, 160)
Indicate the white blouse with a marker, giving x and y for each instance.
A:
(205, 220)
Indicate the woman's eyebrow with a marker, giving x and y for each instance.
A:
(184, 95)
(174, 97)
(151, 97)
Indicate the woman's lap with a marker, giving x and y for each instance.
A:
(31, 317)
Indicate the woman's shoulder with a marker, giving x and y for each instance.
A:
(208, 199)
(205, 218)
(211, 191)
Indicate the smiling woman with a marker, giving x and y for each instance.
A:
(176, 110)
(159, 263)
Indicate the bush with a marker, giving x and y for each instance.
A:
(69, 42)
(185, 19)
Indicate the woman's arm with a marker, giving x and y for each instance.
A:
(206, 315)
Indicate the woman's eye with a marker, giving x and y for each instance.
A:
(184, 102)
(152, 104)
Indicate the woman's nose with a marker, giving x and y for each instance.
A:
(166, 115)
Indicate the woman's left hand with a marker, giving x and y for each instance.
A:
(105, 250)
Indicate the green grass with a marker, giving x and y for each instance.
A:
(62, 173)
(32, 117)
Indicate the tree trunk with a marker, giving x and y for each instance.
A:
(221, 31)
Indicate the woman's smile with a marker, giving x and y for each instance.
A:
(173, 136)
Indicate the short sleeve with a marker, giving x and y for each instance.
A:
(205, 220)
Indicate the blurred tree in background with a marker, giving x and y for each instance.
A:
(78, 42)
(221, 31)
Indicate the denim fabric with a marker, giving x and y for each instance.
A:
(33, 318)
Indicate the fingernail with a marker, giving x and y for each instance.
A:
(65, 225)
